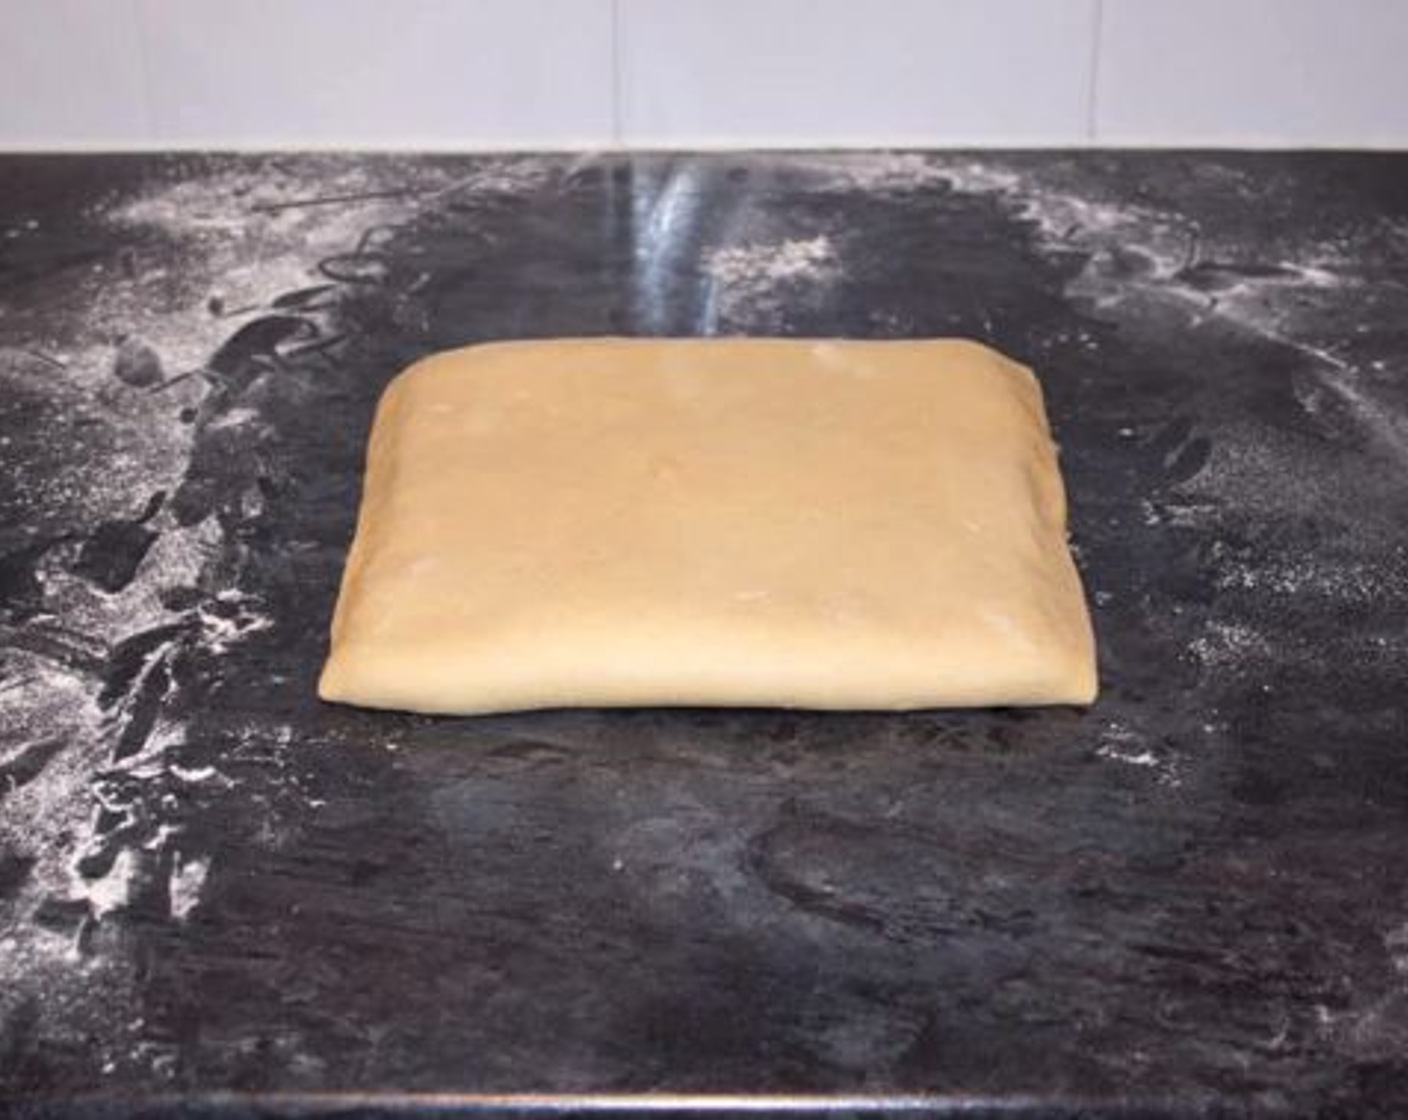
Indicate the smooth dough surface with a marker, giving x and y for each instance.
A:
(815, 524)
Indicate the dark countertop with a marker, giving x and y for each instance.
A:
(1190, 897)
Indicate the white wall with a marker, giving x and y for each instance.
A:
(653, 73)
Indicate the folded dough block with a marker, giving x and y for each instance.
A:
(812, 524)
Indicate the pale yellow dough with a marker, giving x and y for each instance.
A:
(807, 524)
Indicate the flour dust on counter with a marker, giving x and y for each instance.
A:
(1190, 894)
(758, 279)
(137, 384)
(1240, 285)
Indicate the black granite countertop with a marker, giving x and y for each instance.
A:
(1187, 899)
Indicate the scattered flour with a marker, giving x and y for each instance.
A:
(873, 171)
(1229, 646)
(1148, 268)
(114, 890)
(186, 883)
(750, 283)
(199, 257)
(1352, 582)
(767, 264)
(1122, 744)
(221, 631)
(1138, 256)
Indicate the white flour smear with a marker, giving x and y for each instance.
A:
(751, 281)
(244, 231)
(763, 264)
(1142, 254)
(185, 885)
(1121, 743)
(872, 171)
(1229, 646)
(1144, 265)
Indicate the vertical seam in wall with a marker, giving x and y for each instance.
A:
(139, 17)
(1092, 91)
(616, 140)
